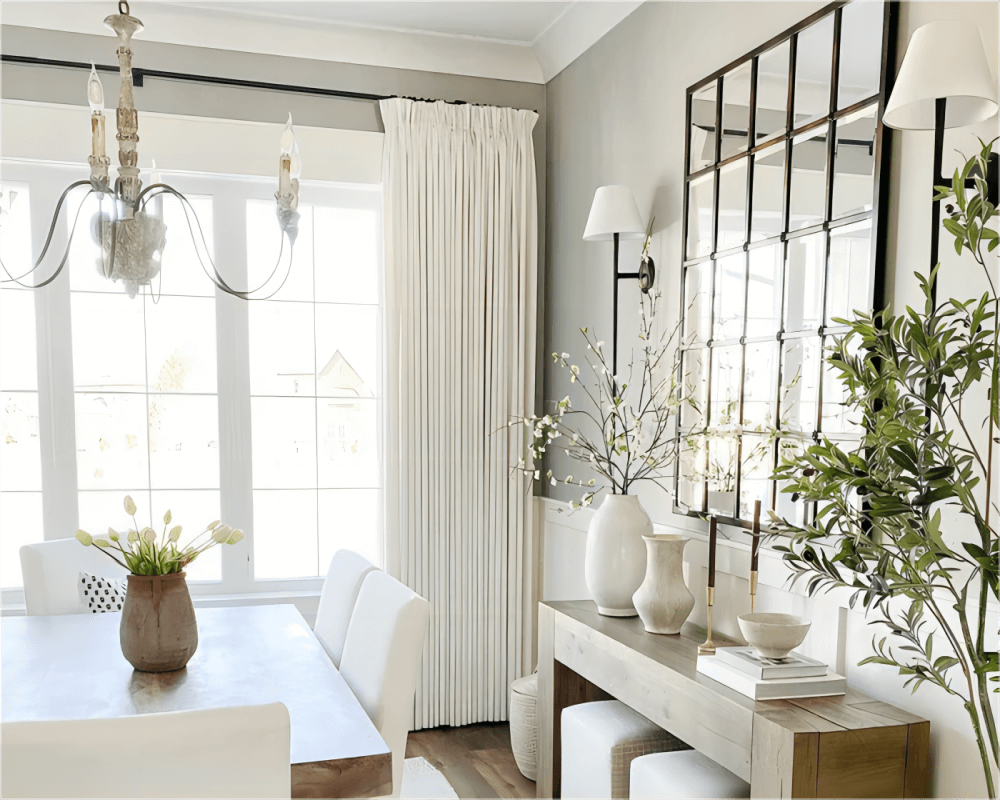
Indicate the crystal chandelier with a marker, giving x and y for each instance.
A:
(128, 226)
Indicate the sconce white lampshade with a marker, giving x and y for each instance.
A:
(614, 211)
(944, 59)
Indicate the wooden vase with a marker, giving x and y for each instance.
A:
(159, 632)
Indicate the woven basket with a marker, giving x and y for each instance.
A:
(524, 724)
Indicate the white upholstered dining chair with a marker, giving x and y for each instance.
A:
(217, 752)
(336, 603)
(382, 656)
(50, 571)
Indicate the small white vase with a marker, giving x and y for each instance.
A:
(616, 557)
(664, 601)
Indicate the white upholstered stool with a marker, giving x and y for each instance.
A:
(599, 741)
(683, 774)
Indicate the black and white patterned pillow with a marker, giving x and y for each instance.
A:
(101, 595)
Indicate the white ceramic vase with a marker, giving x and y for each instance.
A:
(616, 556)
(664, 601)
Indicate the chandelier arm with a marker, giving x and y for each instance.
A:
(69, 244)
(218, 280)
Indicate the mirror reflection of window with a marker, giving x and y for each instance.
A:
(813, 64)
(837, 417)
(732, 204)
(699, 234)
(807, 200)
(848, 279)
(722, 462)
(703, 128)
(727, 364)
(757, 464)
(799, 393)
(764, 290)
(730, 297)
(854, 163)
(768, 193)
(760, 385)
(795, 512)
(691, 473)
(804, 282)
(860, 52)
(694, 369)
(698, 303)
(772, 93)
(735, 110)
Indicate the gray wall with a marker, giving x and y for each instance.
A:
(55, 85)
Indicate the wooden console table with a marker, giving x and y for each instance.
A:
(850, 746)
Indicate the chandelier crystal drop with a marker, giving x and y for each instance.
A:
(128, 226)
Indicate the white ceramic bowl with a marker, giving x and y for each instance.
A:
(774, 635)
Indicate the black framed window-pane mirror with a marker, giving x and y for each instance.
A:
(782, 212)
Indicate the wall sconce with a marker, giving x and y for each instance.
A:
(934, 91)
(614, 215)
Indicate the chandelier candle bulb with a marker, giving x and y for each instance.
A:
(98, 160)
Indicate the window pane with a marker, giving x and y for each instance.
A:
(694, 366)
(800, 361)
(15, 230)
(349, 518)
(849, 276)
(20, 524)
(768, 193)
(703, 128)
(772, 92)
(813, 62)
(348, 454)
(758, 464)
(699, 232)
(285, 534)
(735, 110)
(264, 245)
(726, 377)
(183, 272)
(698, 303)
(111, 441)
(860, 52)
(20, 451)
(760, 386)
(807, 202)
(722, 459)
(193, 511)
(102, 510)
(804, 282)
(346, 255)
(795, 511)
(19, 360)
(691, 466)
(346, 350)
(854, 163)
(730, 299)
(284, 442)
(282, 351)
(109, 350)
(837, 416)
(184, 441)
(180, 344)
(733, 205)
(764, 290)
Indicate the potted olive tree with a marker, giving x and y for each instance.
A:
(913, 379)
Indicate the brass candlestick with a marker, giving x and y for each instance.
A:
(708, 647)
(753, 588)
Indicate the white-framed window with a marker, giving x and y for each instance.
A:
(182, 397)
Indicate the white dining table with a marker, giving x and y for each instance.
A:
(71, 667)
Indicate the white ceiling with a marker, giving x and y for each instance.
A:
(511, 21)
(503, 39)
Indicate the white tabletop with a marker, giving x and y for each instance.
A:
(71, 667)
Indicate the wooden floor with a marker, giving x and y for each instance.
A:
(476, 759)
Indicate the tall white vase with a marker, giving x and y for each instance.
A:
(616, 557)
(664, 601)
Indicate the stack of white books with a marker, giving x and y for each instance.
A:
(742, 669)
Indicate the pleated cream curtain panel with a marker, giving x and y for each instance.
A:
(461, 232)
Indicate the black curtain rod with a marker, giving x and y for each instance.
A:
(139, 73)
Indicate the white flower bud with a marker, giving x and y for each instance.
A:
(175, 533)
(129, 506)
(84, 538)
(167, 517)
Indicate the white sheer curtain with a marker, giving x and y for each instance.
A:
(461, 228)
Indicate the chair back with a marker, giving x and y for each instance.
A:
(218, 752)
(51, 570)
(336, 604)
(382, 657)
